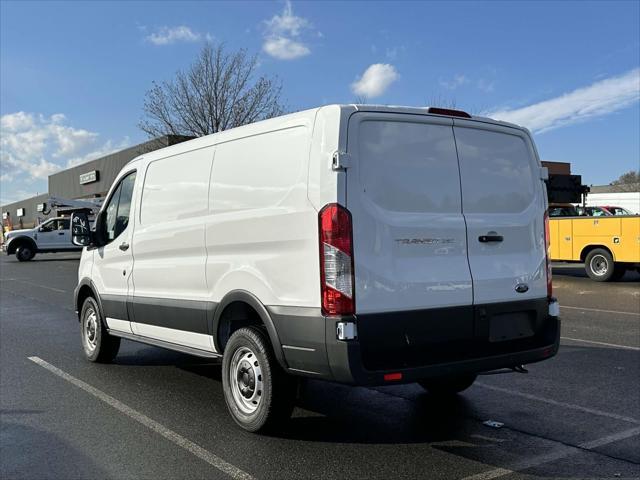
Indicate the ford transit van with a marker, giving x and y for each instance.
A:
(365, 245)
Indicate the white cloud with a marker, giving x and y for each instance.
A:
(600, 98)
(33, 146)
(457, 81)
(486, 86)
(375, 80)
(16, 121)
(169, 35)
(284, 48)
(287, 23)
(282, 35)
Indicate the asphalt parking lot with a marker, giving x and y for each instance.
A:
(159, 414)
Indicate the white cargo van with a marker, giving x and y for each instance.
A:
(359, 244)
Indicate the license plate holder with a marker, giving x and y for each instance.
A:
(510, 326)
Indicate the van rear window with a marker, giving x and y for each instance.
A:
(409, 166)
(496, 171)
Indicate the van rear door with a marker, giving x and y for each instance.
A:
(503, 204)
(412, 280)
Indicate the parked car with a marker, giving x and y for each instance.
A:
(562, 211)
(358, 244)
(616, 210)
(53, 235)
(592, 212)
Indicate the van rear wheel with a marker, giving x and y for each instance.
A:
(258, 393)
(446, 386)
(97, 344)
(599, 265)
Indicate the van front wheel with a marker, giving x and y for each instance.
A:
(258, 393)
(445, 386)
(97, 344)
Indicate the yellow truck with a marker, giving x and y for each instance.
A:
(608, 246)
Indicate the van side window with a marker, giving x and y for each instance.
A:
(119, 207)
(124, 207)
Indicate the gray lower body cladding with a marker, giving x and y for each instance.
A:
(420, 343)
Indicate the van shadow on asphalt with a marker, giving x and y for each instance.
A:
(329, 412)
(406, 416)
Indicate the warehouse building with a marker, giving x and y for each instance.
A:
(89, 181)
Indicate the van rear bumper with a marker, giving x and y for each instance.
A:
(377, 350)
(345, 362)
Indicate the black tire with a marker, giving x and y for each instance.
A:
(25, 252)
(618, 272)
(447, 386)
(258, 382)
(599, 265)
(97, 344)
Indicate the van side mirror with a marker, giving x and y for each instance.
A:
(81, 234)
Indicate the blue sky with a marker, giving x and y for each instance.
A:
(73, 74)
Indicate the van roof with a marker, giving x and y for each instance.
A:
(424, 111)
(295, 118)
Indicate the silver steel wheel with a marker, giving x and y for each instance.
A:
(599, 265)
(245, 379)
(90, 329)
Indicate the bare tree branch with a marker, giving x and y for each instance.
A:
(217, 92)
(629, 181)
(441, 102)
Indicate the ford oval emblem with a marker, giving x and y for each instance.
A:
(522, 288)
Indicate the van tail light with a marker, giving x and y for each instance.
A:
(547, 245)
(336, 260)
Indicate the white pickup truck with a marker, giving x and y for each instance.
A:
(52, 236)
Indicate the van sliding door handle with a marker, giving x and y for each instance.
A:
(490, 238)
(124, 246)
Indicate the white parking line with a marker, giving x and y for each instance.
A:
(572, 406)
(561, 452)
(615, 345)
(170, 435)
(617, 312)
(34, 284)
